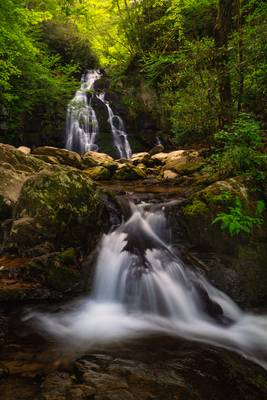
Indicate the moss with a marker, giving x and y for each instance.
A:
(68, 256)
(195, 208)
(62, 278)
(98, 173)
(129, 172)
(189, 167)
(65, 202)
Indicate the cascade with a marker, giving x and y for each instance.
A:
(119, 134)
(142, 287)
(82, 126)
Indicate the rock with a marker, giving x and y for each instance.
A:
(68, 256)
(239, 261)
(140, 158)
(129, 172)
(48, 159)
(55, 386)
(181, 160)
(169, 175)
(25, 150)
(98, 173)
(159, 158)
(159, 148)
(19, 162)
(59, 205)
(64, 156)
(15, 169)
(94, 159)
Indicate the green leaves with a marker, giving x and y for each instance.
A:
(237, 221)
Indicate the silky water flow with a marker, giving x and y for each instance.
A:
(142, 287)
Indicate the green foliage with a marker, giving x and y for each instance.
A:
(241, 146)
(237, 221)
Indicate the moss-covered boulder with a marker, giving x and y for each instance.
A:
(237, 264)
(183, 161)
(141, 158)
(64, 156)
(95, 159)
(129, 172)
(98, 173)
(61, 206)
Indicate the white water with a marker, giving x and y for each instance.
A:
(119, 134)
(141, 287)
(82, 127)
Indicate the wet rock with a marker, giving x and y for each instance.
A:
(129, 172)
(98, 173)
(104, 382)
(56, 386)
(81, 392)
(64, 156)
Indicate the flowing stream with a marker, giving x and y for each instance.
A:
(142, 287)
(82, 125)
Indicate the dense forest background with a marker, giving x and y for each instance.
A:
(183, 68)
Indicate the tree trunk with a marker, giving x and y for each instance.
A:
(223, 28)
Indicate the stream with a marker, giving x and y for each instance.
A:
(152, 327)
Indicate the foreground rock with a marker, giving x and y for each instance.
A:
(65, 157)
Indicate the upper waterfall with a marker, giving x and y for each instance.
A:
(83, 129)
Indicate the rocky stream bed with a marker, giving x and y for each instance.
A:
(54, 207)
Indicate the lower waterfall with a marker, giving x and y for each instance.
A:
(142, 287)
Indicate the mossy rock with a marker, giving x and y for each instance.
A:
(64, 156)
(129, 172)
(98, 173)
(95, 159)
(64, 203)
(63, 279)
(68, 256)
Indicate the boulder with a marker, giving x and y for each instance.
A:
(24, 149)
(169, 175)
(60, 205)
(98, 173)
(64, 156)
(140, 158)
(159, 148)
(159, 158)
(94, 159)
(129, 172)
(181, 160)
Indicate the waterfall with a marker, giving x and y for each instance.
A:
(142, 287)
(119, 134)
(82, 126)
